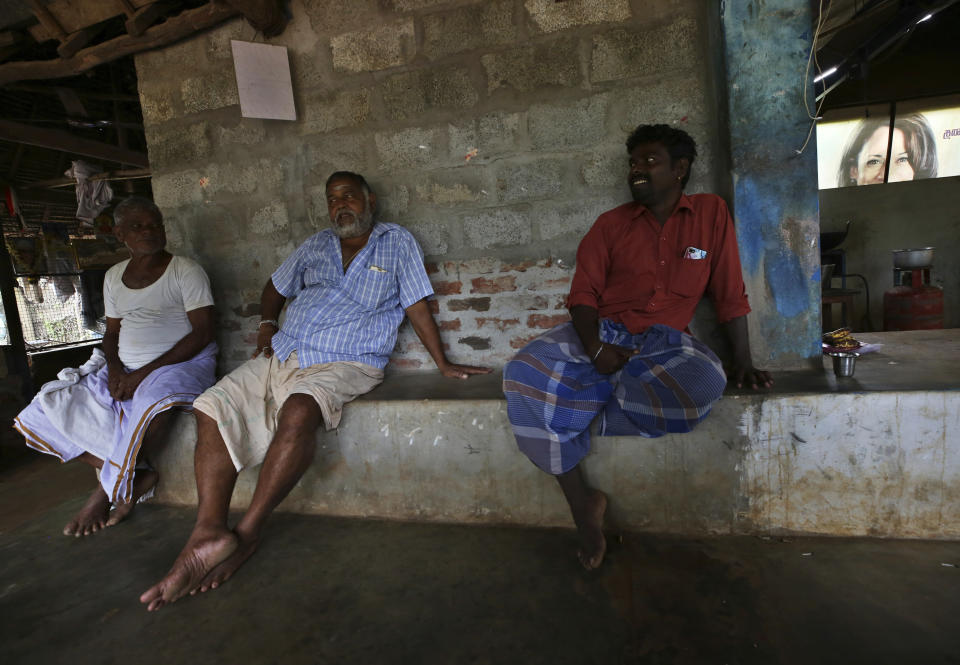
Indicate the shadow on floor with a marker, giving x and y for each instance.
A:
(324, 590)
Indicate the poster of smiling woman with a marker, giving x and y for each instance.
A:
(853, 144)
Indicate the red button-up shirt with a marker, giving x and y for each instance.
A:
(636, 272)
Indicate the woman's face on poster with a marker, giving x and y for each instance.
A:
(873, 155)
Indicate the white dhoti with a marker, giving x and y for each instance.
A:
(82, 417)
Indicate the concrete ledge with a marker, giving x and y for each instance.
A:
(873, 455)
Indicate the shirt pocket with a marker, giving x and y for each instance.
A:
(690, 277)
(318, 277)
(372, 288)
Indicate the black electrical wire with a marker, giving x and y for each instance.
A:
(866, 288)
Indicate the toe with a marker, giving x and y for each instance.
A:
(150, 595)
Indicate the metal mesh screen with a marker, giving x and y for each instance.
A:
(4, 333)
(55, 311)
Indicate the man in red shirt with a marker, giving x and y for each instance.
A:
(627, 354)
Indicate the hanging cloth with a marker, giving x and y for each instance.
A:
(92, 195)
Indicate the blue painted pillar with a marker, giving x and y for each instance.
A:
(775, 202)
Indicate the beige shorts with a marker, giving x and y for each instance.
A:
(245, 402)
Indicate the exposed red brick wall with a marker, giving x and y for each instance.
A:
(499, 324)
(496, 285)
(520, 342)
(476, 304)
(446, 288)
(486, 309)
(546, 320)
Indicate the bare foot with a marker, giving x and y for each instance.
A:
(143, 482)
(92, 517)
(206, 548)
(223, 572)
(590, 527)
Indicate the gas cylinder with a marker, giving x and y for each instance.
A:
(913, 308)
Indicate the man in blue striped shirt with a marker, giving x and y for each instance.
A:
(350, 287)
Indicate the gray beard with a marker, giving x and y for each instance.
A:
(360, 225)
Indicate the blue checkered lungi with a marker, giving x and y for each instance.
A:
(554, 391)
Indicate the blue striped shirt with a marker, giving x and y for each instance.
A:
(354, 316)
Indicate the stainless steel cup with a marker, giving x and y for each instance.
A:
(844, 363)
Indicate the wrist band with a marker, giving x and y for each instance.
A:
(270, 321)
(597, 354)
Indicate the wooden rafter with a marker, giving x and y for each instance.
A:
(71, 15)
(75, 41)
(128, 174)
(17, 132)
(171, 30)
(267, 16)
(71, 102)
(80, 92)
(141, 19)
(10, 43)
(48, 21)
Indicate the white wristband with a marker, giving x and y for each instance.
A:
(270, 321)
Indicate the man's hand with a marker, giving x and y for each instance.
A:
(115, 375)
(742, 370)
(264, 335)
(122, 384)
(612, 357)
(745, 373)
(455, 371)
(426, 328)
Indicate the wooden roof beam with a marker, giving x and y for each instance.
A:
(54, 139)
(80, 92)
(267, 16)
(173, 29)
(71, 42)
(73, 15)
(141, 19)
(48, 20)
(128, 174)
(75, 41)
(71, 102)
(11, 42)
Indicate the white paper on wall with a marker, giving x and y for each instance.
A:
(263, 81)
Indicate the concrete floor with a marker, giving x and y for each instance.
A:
(325, 590)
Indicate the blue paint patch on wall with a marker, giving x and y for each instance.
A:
(785, 278)
(760, 211)
(757, 211)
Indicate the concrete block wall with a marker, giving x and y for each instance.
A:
(493, 130)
